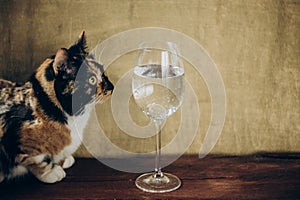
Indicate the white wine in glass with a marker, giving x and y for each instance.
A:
(158, 89)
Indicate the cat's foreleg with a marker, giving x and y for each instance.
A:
(43, 168)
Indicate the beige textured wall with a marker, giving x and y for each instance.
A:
(254, 43)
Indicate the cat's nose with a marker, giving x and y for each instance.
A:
(106, 85)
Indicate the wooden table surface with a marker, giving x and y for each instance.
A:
(262, 176)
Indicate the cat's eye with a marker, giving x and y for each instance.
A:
(93, 80)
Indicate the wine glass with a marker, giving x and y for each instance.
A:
(158, 89)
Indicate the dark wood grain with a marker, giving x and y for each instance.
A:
(263, 176)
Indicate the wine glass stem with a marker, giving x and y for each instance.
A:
(158, 125)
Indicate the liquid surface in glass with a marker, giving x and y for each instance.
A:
(158, 89)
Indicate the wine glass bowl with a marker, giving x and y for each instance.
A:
(158, 89)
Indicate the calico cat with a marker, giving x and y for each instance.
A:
(38, 132)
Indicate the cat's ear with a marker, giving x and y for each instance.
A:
(60, 60)
(81, 42)
(79, 48)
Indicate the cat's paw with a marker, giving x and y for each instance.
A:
(68, 162)
(56, 174)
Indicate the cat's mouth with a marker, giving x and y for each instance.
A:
(102, 97)
(104, 90)
(106, 86)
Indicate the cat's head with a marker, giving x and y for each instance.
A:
(79, 78)
(68, 61)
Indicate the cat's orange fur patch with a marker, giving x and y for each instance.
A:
(1, 128)
(44, 137)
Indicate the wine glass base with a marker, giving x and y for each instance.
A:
(150, 183)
